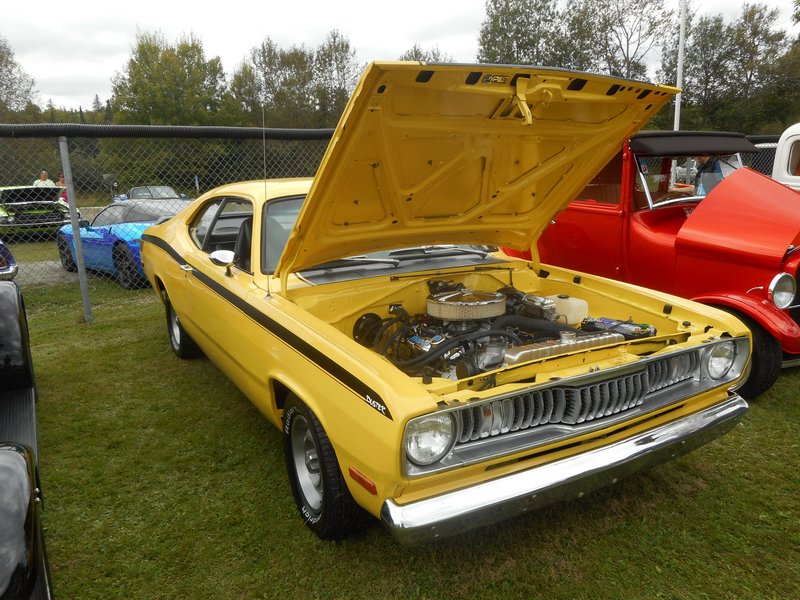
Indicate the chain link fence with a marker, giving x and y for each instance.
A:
(117, 180)
(762, 160)
(106, 184)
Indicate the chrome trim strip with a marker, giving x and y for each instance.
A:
(565, 479)
(790, 363)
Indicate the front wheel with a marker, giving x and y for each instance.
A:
(766, 361)
(182, 344)
(319, 489)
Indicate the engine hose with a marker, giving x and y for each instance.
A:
(383, 329)
(428, 357)
(392, 338)
(543, 326)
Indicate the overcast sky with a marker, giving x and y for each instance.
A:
(73, 49)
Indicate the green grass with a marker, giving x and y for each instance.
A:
(162, 481)
(29, 251)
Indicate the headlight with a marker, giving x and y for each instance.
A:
(720, 358)
(782, 289)
(429, 438)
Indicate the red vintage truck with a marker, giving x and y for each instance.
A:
(677, 212)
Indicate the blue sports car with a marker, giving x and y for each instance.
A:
(111, 241)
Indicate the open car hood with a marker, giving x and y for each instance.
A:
(475, 154)
(29, 193)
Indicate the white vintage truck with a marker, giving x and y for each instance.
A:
(786, 167)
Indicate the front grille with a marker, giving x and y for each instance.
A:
(572, 405)
(34, 218)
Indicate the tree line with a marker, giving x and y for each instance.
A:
(742, 75)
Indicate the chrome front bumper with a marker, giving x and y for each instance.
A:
(561, 480)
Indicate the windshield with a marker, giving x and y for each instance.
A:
(664, 179)
(152, 191)
(280, 218)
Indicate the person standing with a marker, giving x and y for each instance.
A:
(62, 184)
(44, 180)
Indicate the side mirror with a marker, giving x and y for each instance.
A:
(223, 258)
(183, 196)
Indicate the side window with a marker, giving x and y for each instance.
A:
(217, 226)
(607, 185)
(202, 223)
(794, 159)
(109, 216)
(279, 219)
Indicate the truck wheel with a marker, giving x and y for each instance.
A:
(318, 487)
(766, 361)
(182, 343)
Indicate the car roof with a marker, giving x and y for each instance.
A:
(689, 143)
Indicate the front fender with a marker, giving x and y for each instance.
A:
(777, 323)
(16, 370)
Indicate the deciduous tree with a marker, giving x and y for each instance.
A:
(336, 72)
(170, 84)
(518, 32)
(432, 55)
(297, 86)
(17, 88)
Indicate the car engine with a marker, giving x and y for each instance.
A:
(467, 332)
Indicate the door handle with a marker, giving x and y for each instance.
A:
(187, 268)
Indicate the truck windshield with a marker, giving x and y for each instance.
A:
(669, 179)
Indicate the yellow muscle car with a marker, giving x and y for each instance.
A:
(417, 374)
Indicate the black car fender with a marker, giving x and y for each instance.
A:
(16, 366)
(23, 571)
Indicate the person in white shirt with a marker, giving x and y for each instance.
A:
(44, 180)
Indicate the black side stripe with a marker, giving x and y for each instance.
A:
(370, 396)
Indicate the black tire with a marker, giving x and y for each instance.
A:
(766, 361)
(182, 344)
(319, 490)
(128, 275)
(67, 262)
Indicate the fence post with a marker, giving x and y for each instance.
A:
(76, 229)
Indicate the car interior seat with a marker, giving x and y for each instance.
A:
(244, 244)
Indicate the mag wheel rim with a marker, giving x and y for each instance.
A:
(174, 328)
(305, 456)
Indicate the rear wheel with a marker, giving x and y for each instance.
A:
(766, 362)
(182, 343)
(318, 486)
(128, 275)
(67, 262)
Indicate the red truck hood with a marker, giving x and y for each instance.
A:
(747, 219)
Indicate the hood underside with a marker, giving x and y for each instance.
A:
(29, 193)
(475, 154)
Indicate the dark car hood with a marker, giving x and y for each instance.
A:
(747, 219)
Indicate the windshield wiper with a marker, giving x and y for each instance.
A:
(355, 260)
(436, 251)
